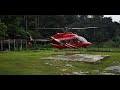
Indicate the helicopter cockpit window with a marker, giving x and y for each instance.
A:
(62, 41)
(74, 40)
(68, 41)
(81, 39)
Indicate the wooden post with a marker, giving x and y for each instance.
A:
(21, 44)
(14, 44)
(1, 45)
(26, 43)
(9, 44)
(35, 41)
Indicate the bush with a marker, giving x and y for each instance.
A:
(41, 47)
(108, 44)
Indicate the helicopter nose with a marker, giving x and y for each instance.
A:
(87, 43)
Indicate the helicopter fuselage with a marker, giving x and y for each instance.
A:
(68, 40)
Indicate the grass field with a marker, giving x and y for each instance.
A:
(30, 63)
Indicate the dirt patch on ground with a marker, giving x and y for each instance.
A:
(78, 57)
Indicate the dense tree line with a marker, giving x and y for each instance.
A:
(26, 25)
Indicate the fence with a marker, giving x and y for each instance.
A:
(13, 44)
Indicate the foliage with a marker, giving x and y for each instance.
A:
(24, 34)
(29, 25)
(41, 47)
(3, 29)
(35, 34)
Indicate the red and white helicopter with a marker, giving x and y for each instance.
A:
(68, 40)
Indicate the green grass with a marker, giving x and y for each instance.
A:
(30, 63)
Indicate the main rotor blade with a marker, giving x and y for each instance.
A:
(50, 28)
(70, 28)
(83, 28)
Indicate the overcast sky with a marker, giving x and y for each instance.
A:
(114, 17)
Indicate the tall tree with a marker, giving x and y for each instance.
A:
(3, 29)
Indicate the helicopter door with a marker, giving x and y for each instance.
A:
(68, 41)
(63, 42)
(74, 41)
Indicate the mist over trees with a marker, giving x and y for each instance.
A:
(26, 25)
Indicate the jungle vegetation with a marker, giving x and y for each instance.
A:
(107, 33)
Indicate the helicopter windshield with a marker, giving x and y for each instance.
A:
(82, 39)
